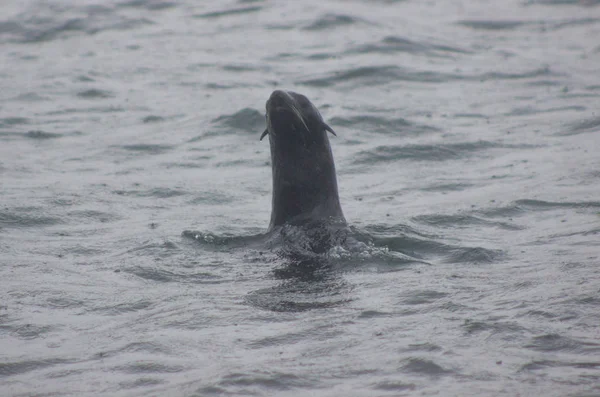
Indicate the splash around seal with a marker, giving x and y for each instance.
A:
(304, 180)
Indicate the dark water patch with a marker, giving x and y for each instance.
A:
(545, 83)
(152, 119)
(39, 29)
(31, 331)
(42, 135)
(230, 12)
(393, 386)
(184, 165)
(12, 121)
(121, 308)
(12, 219)
(246, 383)
(580, 3)
(556, 25)
(586, 126)
(142, 382)
(375, 75)
(303, 286)
(441, 152)
(555, 342)
(541, 72)
(382, 125)
(470, 116)
(494, 327)
(462, 221)
(528, 110)
(240, 68)
(155, 193)
(149, 367)
(422, 297)
(21, 367)
(85, 79)
(547, 205)
(152, 5)
(211, 198)
(62, 302)
(423, 366)
(492, 25)
(147, 148)
(542, 314)
(506, 211)
(103, 109)
(422, 347)
(332, 21)
(297, 297)
(94, 216)
(248, 120)
(395, 44)
(94, 93)
(166, 276)
(146, 347)
(30, 97)
(474, 255)
(368, 314)
(235, 163)
(447, 187)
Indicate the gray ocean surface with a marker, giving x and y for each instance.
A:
(134, 194)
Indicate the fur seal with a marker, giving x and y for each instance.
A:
(305, 188)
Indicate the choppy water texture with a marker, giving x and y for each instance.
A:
(135, 194)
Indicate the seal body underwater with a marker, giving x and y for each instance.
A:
(305, 190)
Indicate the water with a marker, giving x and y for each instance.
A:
(135, 195)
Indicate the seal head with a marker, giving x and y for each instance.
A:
(304, 180)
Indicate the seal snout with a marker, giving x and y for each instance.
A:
(279, 100)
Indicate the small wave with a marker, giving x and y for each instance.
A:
(230, 12)
(21, 367)
(394, 44)
(12, 121)
(10, 219)
(152, 5)
(544, 205)
(153, 119)
(585, 126)
(474, 255)
(248, 120)
(94, 93)
(555, 342)
(424, 366)
(370, 75)
(57, 24)
(121, 308)
(462, 220)
(492, 25)
(166, 276)
(142, 367)
(581, 3)
(382, 125)
(147, 148)
(41, 135)
(155, 192)
(95, 216)
(447, 187)
(442, 152)
(332, 21)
